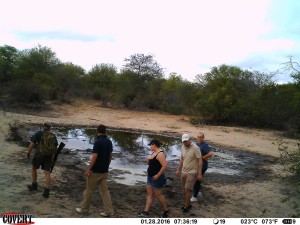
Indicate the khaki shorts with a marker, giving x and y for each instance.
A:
(188, 180)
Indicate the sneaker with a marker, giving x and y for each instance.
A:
(165, 214)
(143, 214)
(193, 199)
(186, 209)
(78, 210)
(104, 214)
(200, 195)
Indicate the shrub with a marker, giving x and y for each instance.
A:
(290, 159)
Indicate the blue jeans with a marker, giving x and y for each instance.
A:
(159, 183)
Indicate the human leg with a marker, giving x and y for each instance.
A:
(91, 183)
(196, 188)
(158, 194)
(47, 179)
(33, 185)
(46, 166)
(47, 184)
(188, 182)
(34, 174)
(36, 162)
(187, 197)
(197, 184)
(184, 176)
(105, 193)
(149, 199)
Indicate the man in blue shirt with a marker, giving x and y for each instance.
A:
(97, 174)
(206, 154)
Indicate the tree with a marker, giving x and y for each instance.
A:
(154, 98)
(8, 62)
(294, 68)
(37, 60)
(35, 69)
(100, 80)
(178, 95)
(67, 79)
(144, 65)
(136, 77)
(225, 93)
(171, 94)
(127, 87)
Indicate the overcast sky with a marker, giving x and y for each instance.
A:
(185, 37)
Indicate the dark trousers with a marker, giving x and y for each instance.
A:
(197, 184)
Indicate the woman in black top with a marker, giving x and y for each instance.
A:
(156, 178)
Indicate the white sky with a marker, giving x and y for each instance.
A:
(187, 37)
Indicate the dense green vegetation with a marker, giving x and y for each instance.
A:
(225, 95)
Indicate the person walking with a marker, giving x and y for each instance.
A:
(206, 154)
(45, 143)
(190, 169)
(156, 179)
(97, 174)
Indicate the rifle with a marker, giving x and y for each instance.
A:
(60, 147)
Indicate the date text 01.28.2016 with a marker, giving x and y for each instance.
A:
(170, 221)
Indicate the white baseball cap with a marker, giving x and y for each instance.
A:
(185, 137)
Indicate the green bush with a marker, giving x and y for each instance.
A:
(290, 159)
(28, 92)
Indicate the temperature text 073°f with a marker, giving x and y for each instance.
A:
(269, 221)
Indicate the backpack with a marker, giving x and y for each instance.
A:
(48, 144)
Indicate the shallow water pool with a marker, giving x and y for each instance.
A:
(131, 150)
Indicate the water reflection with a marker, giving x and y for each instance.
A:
(128, 143)
(131, 150)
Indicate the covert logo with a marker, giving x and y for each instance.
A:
(17, 218)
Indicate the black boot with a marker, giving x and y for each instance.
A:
(46, 192)
(33, 186)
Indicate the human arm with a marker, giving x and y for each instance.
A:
(56, 142)
(207, 156)
(200, 164)
(92, 163)
(179, 167)
(148, 158)
(34, 140)
(205, 151)
(199, 157)
(31, 146)
(110, 157)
